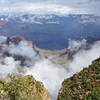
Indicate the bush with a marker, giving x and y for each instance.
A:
(21, 88)
(82, 86)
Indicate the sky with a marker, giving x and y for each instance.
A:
(51, 6)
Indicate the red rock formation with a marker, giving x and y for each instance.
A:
(16, 41)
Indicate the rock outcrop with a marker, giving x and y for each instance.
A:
(18, 48)
(21, 53)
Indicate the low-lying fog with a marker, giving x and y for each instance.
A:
(52, 75)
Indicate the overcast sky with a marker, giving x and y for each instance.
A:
(55, 6)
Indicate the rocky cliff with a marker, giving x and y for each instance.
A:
(16, 53)
(84, 85)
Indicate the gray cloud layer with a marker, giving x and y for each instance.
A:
(89, 6)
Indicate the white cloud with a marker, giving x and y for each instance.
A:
(50, 6)
(44, 70)
(39, 9)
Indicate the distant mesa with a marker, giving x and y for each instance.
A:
(18, 39)
(20, 43)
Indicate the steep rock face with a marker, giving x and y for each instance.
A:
(84, 85)
(21, 53)
(23, 88)
(20, 49)
(17, 40)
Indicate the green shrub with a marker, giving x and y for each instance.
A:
(21, 88)
(84, 85)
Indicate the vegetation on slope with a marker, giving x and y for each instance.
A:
(84, 85)
(22, 88)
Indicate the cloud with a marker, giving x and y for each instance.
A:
(10, 66)
(40, 67)
(84, 58)
(41, 9)
(54, 6)
(52, 75)
(94, 0)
